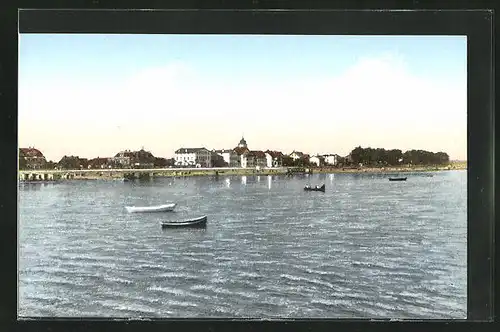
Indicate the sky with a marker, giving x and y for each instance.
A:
(96, 95)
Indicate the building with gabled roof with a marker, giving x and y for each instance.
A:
(274, 158)
(317, 160)
(331, 159)
(296, 155)
(240, 150)
(31, 158)
(193, 157)
(254, 159)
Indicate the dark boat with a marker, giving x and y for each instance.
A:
(397, 179)
(196, 222)
(315, 188)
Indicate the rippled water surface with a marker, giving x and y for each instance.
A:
(366, 247)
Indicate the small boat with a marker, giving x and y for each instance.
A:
(315, 188)
(157, 208)
(196, 222)
(397, 179)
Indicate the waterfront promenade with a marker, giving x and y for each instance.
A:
(91, 174)
(110, 174)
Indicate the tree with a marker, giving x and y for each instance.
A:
(357, 155)
(160, 162)
(381, 157)
(217, 160)
(393, 157)
(442, 158)
(287, 161)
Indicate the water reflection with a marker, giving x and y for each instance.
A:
(31, 185)
(244, 179)
(228, 182)
(332, 176)
(258, 178)
(269, 181)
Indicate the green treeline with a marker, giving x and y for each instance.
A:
(377, 157)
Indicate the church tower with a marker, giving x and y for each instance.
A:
(243, 143)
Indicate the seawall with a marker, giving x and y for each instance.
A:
(121, 174)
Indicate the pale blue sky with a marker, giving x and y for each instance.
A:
(94, 95)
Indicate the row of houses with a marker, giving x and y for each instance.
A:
(31, 158)
(242, 156)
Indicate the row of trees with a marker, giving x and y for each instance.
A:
(381, 157)
(288, 161)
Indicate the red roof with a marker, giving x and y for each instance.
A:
(275, 154)
(258, 154)
(31, 152)
(241, 150)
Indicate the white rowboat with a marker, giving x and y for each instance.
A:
(157, 208)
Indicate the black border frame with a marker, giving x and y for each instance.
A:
(254, 18)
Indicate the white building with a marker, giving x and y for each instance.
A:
(331, 159)
(253, 159)
(193, 157)
(269, 160)
(296, 155)
(317, 160)
(244, 160)
(274, 158)
(240, 151)
(230, 157)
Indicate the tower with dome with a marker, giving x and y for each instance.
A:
(243, 143)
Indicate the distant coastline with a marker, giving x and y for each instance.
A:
(131, 174)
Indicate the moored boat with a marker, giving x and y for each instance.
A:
(195, 222)
(315, 188)
(397, 179)
(157, 208)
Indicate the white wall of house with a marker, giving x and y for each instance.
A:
(272, 162)
(200, 157)
(331, 159)
(295, 156)
(243, 160)
(185, 159)
(269, 160)
(314, 160)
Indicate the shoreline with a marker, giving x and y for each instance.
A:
(121, 175)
